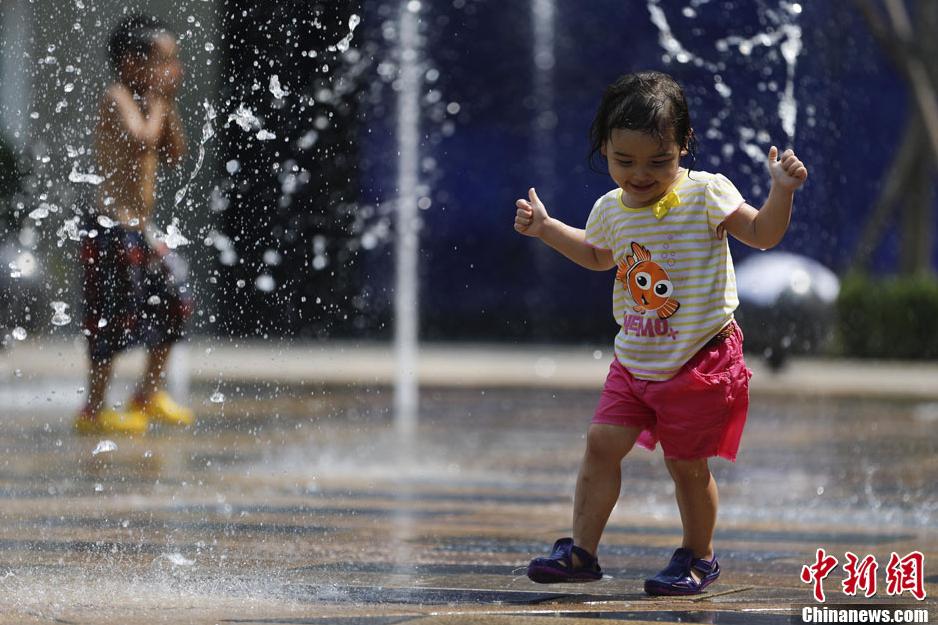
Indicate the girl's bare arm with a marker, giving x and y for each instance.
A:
(765, 228)
(531, 219)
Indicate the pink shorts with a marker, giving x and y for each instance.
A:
(698, 413)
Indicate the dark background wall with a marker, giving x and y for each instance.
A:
(479, 279)
(293, 235)
(288, 262)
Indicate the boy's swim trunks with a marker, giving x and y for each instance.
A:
(134, 293)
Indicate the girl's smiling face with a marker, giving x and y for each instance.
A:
(643, 167)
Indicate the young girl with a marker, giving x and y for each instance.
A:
(678, 376)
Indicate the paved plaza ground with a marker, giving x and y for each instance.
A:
(294, 500)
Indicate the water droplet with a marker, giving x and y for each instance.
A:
(177, 559)
(19, 333)
(104, 447)
(272, 257)
(265, 283)
(209, 46)
(40, 213)
(275, 88)
(60, 317)
(545, 367)
(217, 397)
(353, 21)
(245, 118)
(76, 176)
(173, 237)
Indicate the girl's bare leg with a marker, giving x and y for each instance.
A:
(697, 499)
(599, 481)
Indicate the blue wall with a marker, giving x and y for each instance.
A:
(480, 279)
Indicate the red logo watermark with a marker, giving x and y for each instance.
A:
(903, 574)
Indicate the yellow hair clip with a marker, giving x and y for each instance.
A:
(661, 208)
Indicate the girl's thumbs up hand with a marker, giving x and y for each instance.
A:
(788, 172)
(530, 215)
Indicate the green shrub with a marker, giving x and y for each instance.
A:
(888, 317)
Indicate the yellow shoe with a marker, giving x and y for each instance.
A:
(112, 422)
(161, 407)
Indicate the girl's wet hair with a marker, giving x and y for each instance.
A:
(649, 102)
(134, 36)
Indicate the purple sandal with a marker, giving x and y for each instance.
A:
(676, 578)
(558, 567)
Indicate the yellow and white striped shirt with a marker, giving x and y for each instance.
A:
(675, 287)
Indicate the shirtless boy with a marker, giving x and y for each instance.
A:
(131, 296)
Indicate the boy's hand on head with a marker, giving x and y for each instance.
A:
(788, 172)
(530, 215)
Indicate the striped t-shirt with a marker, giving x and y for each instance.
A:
(675, 286)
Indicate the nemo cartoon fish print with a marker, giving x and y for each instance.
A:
(647, 282)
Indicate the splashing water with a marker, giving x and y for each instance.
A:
(275, 88)
(406, 388)
(788, 40)
(783, 34)
(177, 559)
(675, 50)
(788, 106)
(208, 131)
(76, 176)
(104, 447)
(265, 282)
(245, 118)
(343, 44)
(69, 230)
(59, 316)
(173, 237)
(42, 211)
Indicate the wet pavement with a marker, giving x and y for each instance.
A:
(300, 503)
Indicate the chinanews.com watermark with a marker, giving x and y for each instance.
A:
(903, 577)
(852, 613)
